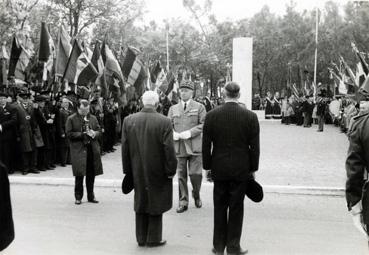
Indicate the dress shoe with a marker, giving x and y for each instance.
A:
(214, 251)
(181, 209)
(156, 244)
(24, 173)
(63, 165)
(198, 203)
(78, 202)
(34, 171)
(240, 252)
(141, 244)
(53, 166)
(94, 201)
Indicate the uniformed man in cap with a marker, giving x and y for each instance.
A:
(188, 117)
(8, 122)
(357, 165)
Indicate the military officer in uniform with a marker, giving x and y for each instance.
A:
(8, 122)
(357, 165)
(187, 118)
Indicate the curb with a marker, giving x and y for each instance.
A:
(116, 183)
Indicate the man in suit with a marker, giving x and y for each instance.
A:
(62, 140)
(231, 151)
(83, 130)
(149, 158)
(8, 123)
(187, 119)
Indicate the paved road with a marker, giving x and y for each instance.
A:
(290, 155)
(47, 222)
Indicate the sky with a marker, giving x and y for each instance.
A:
(225, 9)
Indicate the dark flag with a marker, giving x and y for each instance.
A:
(63, 52)
(15, 52)
(154, 73)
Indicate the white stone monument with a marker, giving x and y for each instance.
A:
(242, 68)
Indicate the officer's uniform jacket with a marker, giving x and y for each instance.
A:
(191, 119)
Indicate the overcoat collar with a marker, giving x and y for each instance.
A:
(148, 110)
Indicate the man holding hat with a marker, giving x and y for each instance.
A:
(8, 122)
(231, 151)
(187, 119)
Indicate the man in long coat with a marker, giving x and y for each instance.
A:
(83, 130)
(26, 129)
(148, 156)
(231, 151)
(6, 215)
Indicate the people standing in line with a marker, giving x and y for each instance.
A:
(149, 160)
(187, 118)
(83, 130)
(231, 151)
(25, 129)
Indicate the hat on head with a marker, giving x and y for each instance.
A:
(187, 84)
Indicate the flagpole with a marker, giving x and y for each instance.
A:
(316, 50)
(167, 38)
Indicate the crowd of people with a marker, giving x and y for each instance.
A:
(303, 110)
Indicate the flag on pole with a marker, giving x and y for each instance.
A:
(4, 57)
(47, 50)
(155, 71)
(361, 58)
(63, 52)
(113, 77)
(349, 71)
(360, 74)
(71, 68)
(134, 71)
(86, 72)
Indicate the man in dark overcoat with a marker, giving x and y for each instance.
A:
(148, 156)
(83, 130)
(231, 151)
(6, 215)
(26, 128)
(8, 122)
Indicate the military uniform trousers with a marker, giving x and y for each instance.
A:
(193, 166)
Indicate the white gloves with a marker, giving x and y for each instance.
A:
(357, 218)
(183, 135)
(175, 136)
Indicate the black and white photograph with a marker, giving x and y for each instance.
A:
(186, 127)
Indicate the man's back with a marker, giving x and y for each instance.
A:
(233, 131)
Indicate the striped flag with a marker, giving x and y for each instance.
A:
(361, 58)
(134, 71)
(63, 52)
(46, 52)
(19, 59)
(71, 68)
(349, 71)
(4, 57)
(155, 71)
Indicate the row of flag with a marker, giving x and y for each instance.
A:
(71, 64)
(346, 80)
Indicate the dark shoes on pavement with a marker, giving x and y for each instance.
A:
(78, 202)
(182, 208)
(240, 252)
(156, 244)
(94, 201)
(198, 203)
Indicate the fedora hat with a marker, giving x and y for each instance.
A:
(127, 184)
(254, 190)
